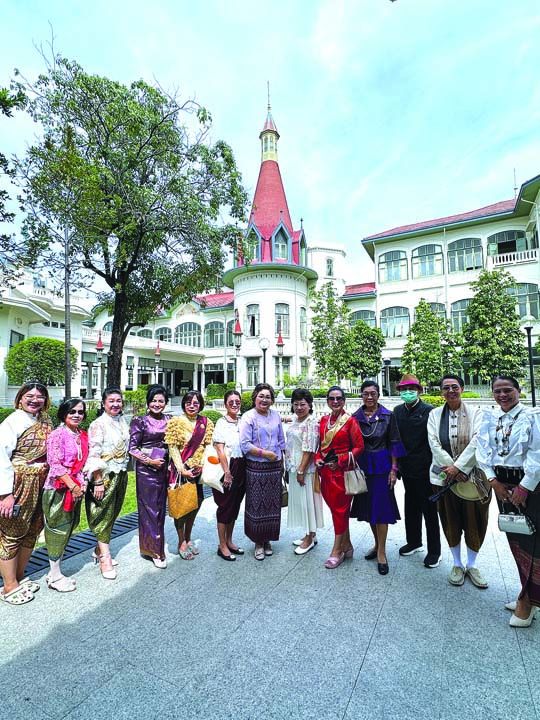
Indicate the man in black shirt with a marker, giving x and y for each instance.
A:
(412, 418)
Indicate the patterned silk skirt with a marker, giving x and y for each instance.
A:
(262, 514)
(23, 531)
(102, 515)
(59, 523)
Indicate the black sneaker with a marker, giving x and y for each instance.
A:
(409, 549)
(432, 561)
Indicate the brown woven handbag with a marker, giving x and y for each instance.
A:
(182, 498)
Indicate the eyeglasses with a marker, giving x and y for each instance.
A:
(369, 394)
(75, 412)
(333, 398)
(453, 388)
(233, 402)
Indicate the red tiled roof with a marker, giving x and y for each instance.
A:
(487, 211)
(216, 300)
(269, 123)
(362, 289)
(270, 204)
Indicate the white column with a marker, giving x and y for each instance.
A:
(195, 371)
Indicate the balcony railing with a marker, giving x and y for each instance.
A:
(521, 256)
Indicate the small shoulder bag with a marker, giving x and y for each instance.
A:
(355, 480)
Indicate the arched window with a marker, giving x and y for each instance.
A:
(265, 143)
(458, 311)
(188, 333)
(282, 319)
(439, 309)
(465, 254)
(164, 334)
(107, 327)
(329, 267)
(367, 316)
(508, 241)
(251, 246)
(230, 334)
(213, 334)
(526, 295)
(281, 246)
(146, 333)
(395, 322)
(303, 252)
(393, 266)
(303, 323)
(427, 260)
(252, 321)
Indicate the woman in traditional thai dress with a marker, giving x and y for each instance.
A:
(508, 452)
(106, 469)
(263, 443)
(187, 436)
(305, 508)
(67, 452)
(147, 446)
(23, 469)
(226, 440)
(382, 448)
(339, 437)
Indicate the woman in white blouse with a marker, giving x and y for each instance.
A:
(106, 468)
(305, 505)
(227, 443)
(508, 451)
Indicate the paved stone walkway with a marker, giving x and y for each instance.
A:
(283, 638)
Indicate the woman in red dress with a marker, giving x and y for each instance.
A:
(339, 436)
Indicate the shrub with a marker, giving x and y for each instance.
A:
(216, 391)
(4, 412)
(316, 392)
(246, 402)
(38, 358)
(212, 415)
(435, 400)
(470, 394)
(135, 400)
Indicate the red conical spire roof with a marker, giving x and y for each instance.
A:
(270, 203)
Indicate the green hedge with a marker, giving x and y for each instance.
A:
(216, 391)
(435, 400)
(316, 392)
(246, 402)
(53, 414)
(212, 415)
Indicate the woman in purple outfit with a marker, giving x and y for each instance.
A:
(262, 441)
(147, 446)
(382, 448)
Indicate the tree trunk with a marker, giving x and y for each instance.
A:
(118, 337)
(67, 316)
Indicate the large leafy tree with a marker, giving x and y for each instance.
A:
(9, 251)
(341, 349)
(432, 349)
(38, 358)
(143, 194)
(493, 341)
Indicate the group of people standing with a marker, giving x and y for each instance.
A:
(450, 459)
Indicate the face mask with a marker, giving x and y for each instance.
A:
(408, 396)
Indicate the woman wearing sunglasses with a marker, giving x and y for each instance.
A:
(508, 452)
(226, 440)
(67, 452)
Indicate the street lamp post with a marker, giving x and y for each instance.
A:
(99, 359)
(528, 326)
(264, 344)
(237, 338)
(387, 362)
(279, 345)
(157, 358)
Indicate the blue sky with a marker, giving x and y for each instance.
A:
(389, 112)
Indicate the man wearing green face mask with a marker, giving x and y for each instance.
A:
(412, 419)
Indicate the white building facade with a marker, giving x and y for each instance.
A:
(266, 295)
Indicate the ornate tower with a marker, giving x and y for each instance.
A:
(270, 278)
